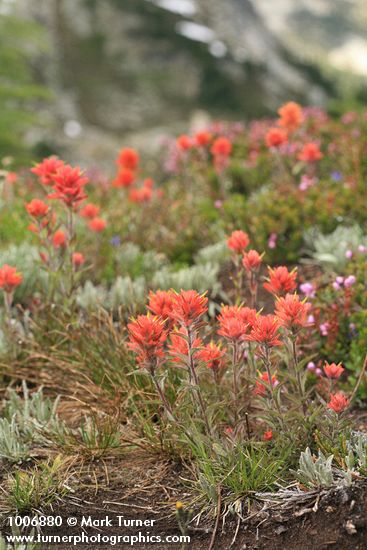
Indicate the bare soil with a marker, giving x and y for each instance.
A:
(143, 488)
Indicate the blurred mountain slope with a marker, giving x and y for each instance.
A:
(128, 66)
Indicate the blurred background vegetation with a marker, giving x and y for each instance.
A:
(82, 77)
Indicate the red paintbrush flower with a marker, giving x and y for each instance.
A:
(291, 116)
(78, 259)
(251, 260)
(147, 335)
(260, 388)
(235, 321)
(276, 137)
(338, 402)
(203, 138)
(90, 211)
(37, 208)
(97, 225)
(184, 142)
(144, 194)
(221, 147)
(333, 371)
(124, 178)
(268, 435)
(291, 312)
(10, 278)
(161, 303)
(238, 241)
(310, 153)
(128, 158)
(178, 345)
(281, 281)
(59, 239)
(213, 356)
(47, 169)
(69, 185)
(188, 307)
(265, 331)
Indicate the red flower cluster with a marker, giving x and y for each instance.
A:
(291, 312)
(268, 435)
(261, 388)
(142, 194)
(221, 150)
(78, 259)
(281, 281)
(265, 331)
(128, 158)
(161, 303)
(47, 169)
(127, 163)
(251, 260)
(203, 138)
(238, 241)
(188, 307)
(69, 185)
(235, 322)
(333, 371)
(185, 142)
(291, 116)
(89, 211)
(97, 225)
(147, 335)
(338, 402)
(179, 347)
(221, 147)
(213, 356)
(276, 137)
(59, 238)
(310, 153)
(37, 208)
(9, 278)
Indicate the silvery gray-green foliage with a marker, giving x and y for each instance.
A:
(217, 253)
(90, 297)
(131, 293)
(329, 250)
(134, 261)
(127, 292)
(319, 472)
(357, 452)
(26, 258)
(34, 414)
(12, 447)
(197, 277)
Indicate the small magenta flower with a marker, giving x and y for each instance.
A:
(362, 248)
(349, 254)
(311, 320)
(308, 289)
(336, 285)
(311, 366)
(349, 281)
(324, 329)
(272, 242)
